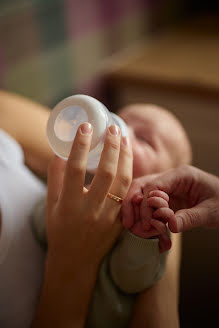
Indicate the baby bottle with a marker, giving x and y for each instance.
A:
(71, 112)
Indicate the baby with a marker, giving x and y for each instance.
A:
(135, 262)
(159, 142)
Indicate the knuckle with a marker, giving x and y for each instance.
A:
(76, 167)
(107, 174)
(186, 170)
(82, 143)
(183, 167)
(187, 221)
(127, 153)
(111, 143)
(125, 180)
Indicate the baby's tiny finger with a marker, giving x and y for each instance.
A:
(159, 193)
(145, 216)
(165, 214)
(136, 212)
(165, 242)
(157, 202)
(159, 226)
(127, 211)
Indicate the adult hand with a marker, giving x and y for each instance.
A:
(82, 225)
(89, 216)
(198, 190)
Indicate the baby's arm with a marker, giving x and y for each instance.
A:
(136, 261)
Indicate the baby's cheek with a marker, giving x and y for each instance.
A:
(140, 165)
(144, 162)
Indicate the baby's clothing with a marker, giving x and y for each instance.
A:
(21, 257)
(132, 265)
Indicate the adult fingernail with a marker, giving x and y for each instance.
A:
(114, 130)
(86, 128)
(124, 141)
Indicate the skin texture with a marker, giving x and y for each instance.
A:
(155, 148)
(194, 194)
(88, 215)
(158, 212)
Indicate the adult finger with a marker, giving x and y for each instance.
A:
(77, 162)
(123, 177)
(177, 182)
(188, 219)
(56, 171)
(107, 167)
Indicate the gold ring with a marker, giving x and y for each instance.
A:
(116, 198)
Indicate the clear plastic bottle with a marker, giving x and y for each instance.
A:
(71, 112)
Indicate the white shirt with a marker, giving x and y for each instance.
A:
(21, 257)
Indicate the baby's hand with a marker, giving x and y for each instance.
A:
(158, 213)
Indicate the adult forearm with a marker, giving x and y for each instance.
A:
(65, 296)
(26, 122)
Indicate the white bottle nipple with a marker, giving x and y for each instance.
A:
(71, 112)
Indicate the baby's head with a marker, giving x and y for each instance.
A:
(159, 141)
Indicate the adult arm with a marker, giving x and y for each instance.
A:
(26, 122)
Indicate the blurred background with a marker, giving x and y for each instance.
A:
(125, 51)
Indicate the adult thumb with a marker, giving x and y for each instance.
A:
(190, 218)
